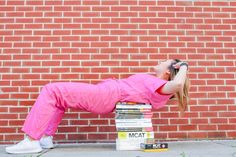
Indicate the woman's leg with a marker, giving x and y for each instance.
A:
(49, 108)
(46, 114)
(54, 99)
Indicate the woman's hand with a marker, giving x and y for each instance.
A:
(179, 64)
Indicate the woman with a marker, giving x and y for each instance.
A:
(41, 124)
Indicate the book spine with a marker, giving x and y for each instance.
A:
(135, 135)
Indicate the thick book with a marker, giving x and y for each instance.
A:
(135, 135)
(132, 112)
(129, 144)
(155, 150)
(128, 121)
(134, 125)
(132, 103)
(134, 129)
(134, 106)
(154, 146)
(133, 116)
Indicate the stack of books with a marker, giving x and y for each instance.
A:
(133, 124)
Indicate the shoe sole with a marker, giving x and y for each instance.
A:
(47, 147)
(25, 152)
(50, 146)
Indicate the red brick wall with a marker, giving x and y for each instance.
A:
(89, 40)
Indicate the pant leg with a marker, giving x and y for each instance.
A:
(45, 115)
(53, 124)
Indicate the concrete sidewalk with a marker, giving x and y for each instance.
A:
(219, 148)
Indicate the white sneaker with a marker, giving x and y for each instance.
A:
(46, 142)
(25, 146)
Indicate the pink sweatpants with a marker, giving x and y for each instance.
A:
(55, 98)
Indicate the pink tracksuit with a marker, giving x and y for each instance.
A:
(55, 98)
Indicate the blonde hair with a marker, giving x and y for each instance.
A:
(183, 94)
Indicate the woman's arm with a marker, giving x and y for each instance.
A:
(177, 83)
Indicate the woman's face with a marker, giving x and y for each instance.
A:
(163, 67)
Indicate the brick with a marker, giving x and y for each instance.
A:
(225, 76)
(199, 121)
(221, 15)
(8, 115)
(178, 135)
(230, 134)
(168, 128)
(20, 83)
(224, 39)
(165, 26)
(51, 76)
(10, 89)
(165, 3)
(97, 136)
(29, 89)
(138, 44)
(99, 122)
(228, 9)
(67, 129)
(227, 114)
(129, 63)
(195, 32)
(179, 121)
(115, 14)
(16, 123)
(187, 127)
(77, 137)
(212, 21)
(208, 114)
(222, 27)
(8, 130)
(218, 120)
(3, 109)
(176, 44)
(87, 129)
(226, 127)
(199, 108)
(169, 115)
(207, 127)
(217, 95)
(230, 82)
(190, 114)
(216, 134)
(225, 88)
(198, 135)
(15, 3)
